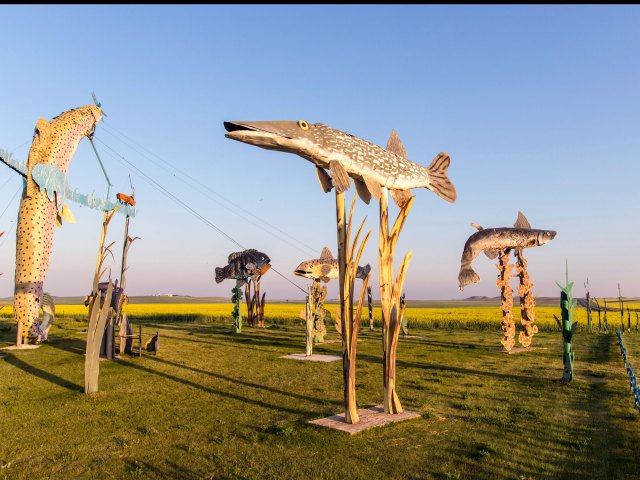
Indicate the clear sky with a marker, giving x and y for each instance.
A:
(538, 106)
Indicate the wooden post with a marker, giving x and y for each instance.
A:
(140, 340)
(370, 305)
(589, 310)
(506, 296)
(390, 291)
(527, 302)
(309, 325)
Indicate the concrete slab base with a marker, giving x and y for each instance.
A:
(313, 358)
(519, 350)
(369, 418)
(22, 347)
(412, 336)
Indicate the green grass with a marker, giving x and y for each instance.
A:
(213, 404)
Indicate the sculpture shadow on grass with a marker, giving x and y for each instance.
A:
(37, 372)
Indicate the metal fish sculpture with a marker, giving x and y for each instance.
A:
(325, 268)
(243, 265)
(345, 155)
(492, 240)
(54, 144)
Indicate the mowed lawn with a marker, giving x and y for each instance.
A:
(213, 404)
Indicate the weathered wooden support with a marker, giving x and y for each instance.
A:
(506, 300)
(308, 325)
(390, 290)
(98, 313)
(527, 301)
(349, 255)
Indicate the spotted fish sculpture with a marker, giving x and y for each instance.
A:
(244, 265)
(492, 240)
(54, 144)
(345, 156)
(325, 268)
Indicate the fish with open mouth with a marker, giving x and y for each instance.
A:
(371, 167)
(492, 240)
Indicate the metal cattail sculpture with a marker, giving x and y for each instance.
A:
(370, 305)
(506, 296)
(589, 309)
(98, 313)
(236, 314)
(568, 327)
(527, 301)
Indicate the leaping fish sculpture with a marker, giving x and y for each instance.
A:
(345, 155)
(243, 265)
(54, 144)
(325, 268)
(492, 240)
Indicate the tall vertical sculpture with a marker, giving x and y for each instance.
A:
(44, 205)
(375, 171)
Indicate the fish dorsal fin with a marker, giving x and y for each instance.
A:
(363, 191)
(373, 187)
(324, 179)
(234, 255)
(401, 197)
(340, 176)
(522, 222)
(394, 145)
(479, 227)
(326, 254)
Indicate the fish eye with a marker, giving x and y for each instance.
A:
(303, 124)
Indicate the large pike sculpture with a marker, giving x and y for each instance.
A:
(43, 206)
(371, 167)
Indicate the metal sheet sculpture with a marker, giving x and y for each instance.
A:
(322, 269)
(43, 205)
(498, 242)
(374, 170)
(567, 327)
(242, 267)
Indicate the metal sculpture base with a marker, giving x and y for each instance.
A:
(313, 357)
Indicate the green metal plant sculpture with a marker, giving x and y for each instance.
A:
(568, 327)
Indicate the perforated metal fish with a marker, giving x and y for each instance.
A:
(244, 265)
(370, 166)
(492, 240)
(325, 268)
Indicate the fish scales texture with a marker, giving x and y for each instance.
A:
(55, 143)
(242, 265)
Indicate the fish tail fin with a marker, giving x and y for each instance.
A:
(438, 180)
(220, 274)
(467, 276)
(365, 271)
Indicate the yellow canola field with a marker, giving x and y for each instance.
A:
(473, 316)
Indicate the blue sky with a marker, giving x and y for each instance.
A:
(538, 107)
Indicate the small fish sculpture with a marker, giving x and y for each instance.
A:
(243, 265)
(492, 240)
(325, 268)
(371, 167)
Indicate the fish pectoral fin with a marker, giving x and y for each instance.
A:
(66, 214)
(479, 227)
(373, 187)
(326, 254)
(401, 197)
(363, 191)
(325, 270)
(324, 179)
(522, 222)
(394, 145)
(340, 176)
(492, 253)
(251, 266)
